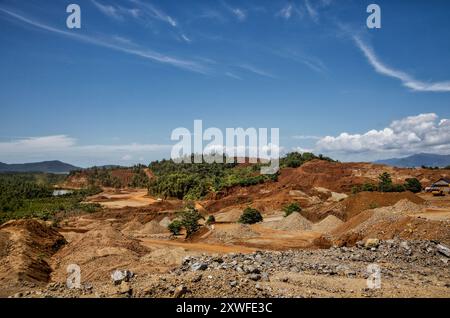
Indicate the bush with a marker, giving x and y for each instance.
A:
(189, 220)
(413, 185)
(385, 182)
(250, 216)
(291, 208)
(211, 219)
(175, 227)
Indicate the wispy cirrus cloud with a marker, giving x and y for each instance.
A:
(312, 11)
(238, 13)
(234, 76)
(113, 44)
(312, 62)
(151, 11)
(286, 11)
(406, 79)
(256, 70)
(110, 10)
(307, 137)
(291, 10)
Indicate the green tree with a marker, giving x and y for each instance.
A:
(211, 219)
(175, 227)
(291, 208)
(250, 216)
(413, 185)
(189, 220)
(385, 182)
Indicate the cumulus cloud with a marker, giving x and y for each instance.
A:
(421, 133)
(406, 79)
(66, 148)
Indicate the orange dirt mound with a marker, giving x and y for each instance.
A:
(362, 201)
(25, 249)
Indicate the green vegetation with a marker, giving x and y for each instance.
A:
(413, 185)
(188, 219)
(296, 159)
(195, 181)
(250, 216)
(175, 227)
(291, 208)
(211, 219)
(385, 184)
(31, 195)
(140, 178)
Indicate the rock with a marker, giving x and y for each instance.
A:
(120, 276)
(265, 277)
(197, 278)
(405, 245)
(125, 288)
(372, 243)
(179, 291)
(233, 283)
(254, 277)
(251, 270)
(444, 250)
(258, 287)
(199, 266)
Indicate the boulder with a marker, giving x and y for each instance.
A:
(444, 250)
(372, 243)
(120, 276)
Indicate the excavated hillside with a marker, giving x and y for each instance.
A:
(26, 247)
(315, 182)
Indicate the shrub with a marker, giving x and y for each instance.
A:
(385, 182)
(373, 205)
(413, 185)
(189, 220)
(211, 219)
(398, 188)
(175, 227)
(250, 216)
(369, 187)
(291, 208)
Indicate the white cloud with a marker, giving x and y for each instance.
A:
(256, 70)
(312, 12)
(286, 11)
(306, 137)
(238, 13)
(421, 133)
(108, 10)
(153, 12)
(232, 75)
(66, 148)
(115, 45)
(185, 38)
(406, 79)
(241, 15)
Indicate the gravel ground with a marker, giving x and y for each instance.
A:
(408, 269)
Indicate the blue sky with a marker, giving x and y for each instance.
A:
(113, 91)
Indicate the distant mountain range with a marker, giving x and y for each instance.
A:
(44, 166)
(418, 160)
